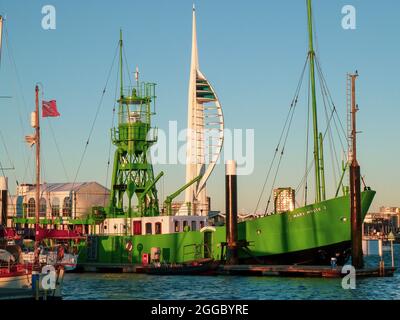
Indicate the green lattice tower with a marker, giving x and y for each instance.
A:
(132, 172)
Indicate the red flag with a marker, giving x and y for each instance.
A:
(49, 109)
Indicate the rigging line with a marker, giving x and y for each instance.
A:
(292, 105)
(96, 115)
(280, 159)
(3, 171)
(330, 96)
(330, 119)
(112, 124)
(58, 149)
(14, 64)
(334, 121)
(19, 84)
(24, 177)
(8, 156)
(307, 139)
(330, 138)
(127, 66)
(331, 104)
(303, 179)
(333, 151)
(4, 175)
(271, 165)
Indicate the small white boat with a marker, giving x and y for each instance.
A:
(13, 275)
(17, 281)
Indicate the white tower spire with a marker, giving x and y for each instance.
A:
(204, 136)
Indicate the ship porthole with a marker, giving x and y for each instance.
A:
(258, 231)
(344, 219)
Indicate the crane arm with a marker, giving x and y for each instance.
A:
(151, 185)
(168, 200)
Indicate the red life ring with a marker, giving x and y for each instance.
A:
(129, 246)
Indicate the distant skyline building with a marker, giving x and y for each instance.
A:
(284, 199)
(386, 220)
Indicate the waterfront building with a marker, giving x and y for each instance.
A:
(58, 200)
(386, 220)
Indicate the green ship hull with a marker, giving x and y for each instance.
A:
(311, 234)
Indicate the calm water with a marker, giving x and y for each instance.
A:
(138, 286)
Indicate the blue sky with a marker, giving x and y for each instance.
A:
(251, 51)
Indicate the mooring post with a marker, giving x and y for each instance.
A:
(3, 200)
(391, 238)
(355, 186)
(231, 212)
(380, 251)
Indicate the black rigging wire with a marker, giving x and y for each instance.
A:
(325, 93)
(331, 141)
(109, 147)
(127, 66)
(326, 88)
(323, 137)
(19, 84)
(58, 149)
(280, 159)
(96, 115)
(328, 98)
(28, 165)
(328, 101)
(8, 154)
(292, 106)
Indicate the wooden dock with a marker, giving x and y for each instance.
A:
(253, 270)
(109, 267)
(16, 294)
(300, 271)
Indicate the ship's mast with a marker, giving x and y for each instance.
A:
(121, 64)
(133, 172)
(311, 54)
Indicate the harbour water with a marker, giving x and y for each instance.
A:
(91, 286)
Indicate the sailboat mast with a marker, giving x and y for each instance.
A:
(37, 144)
(311, 54)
